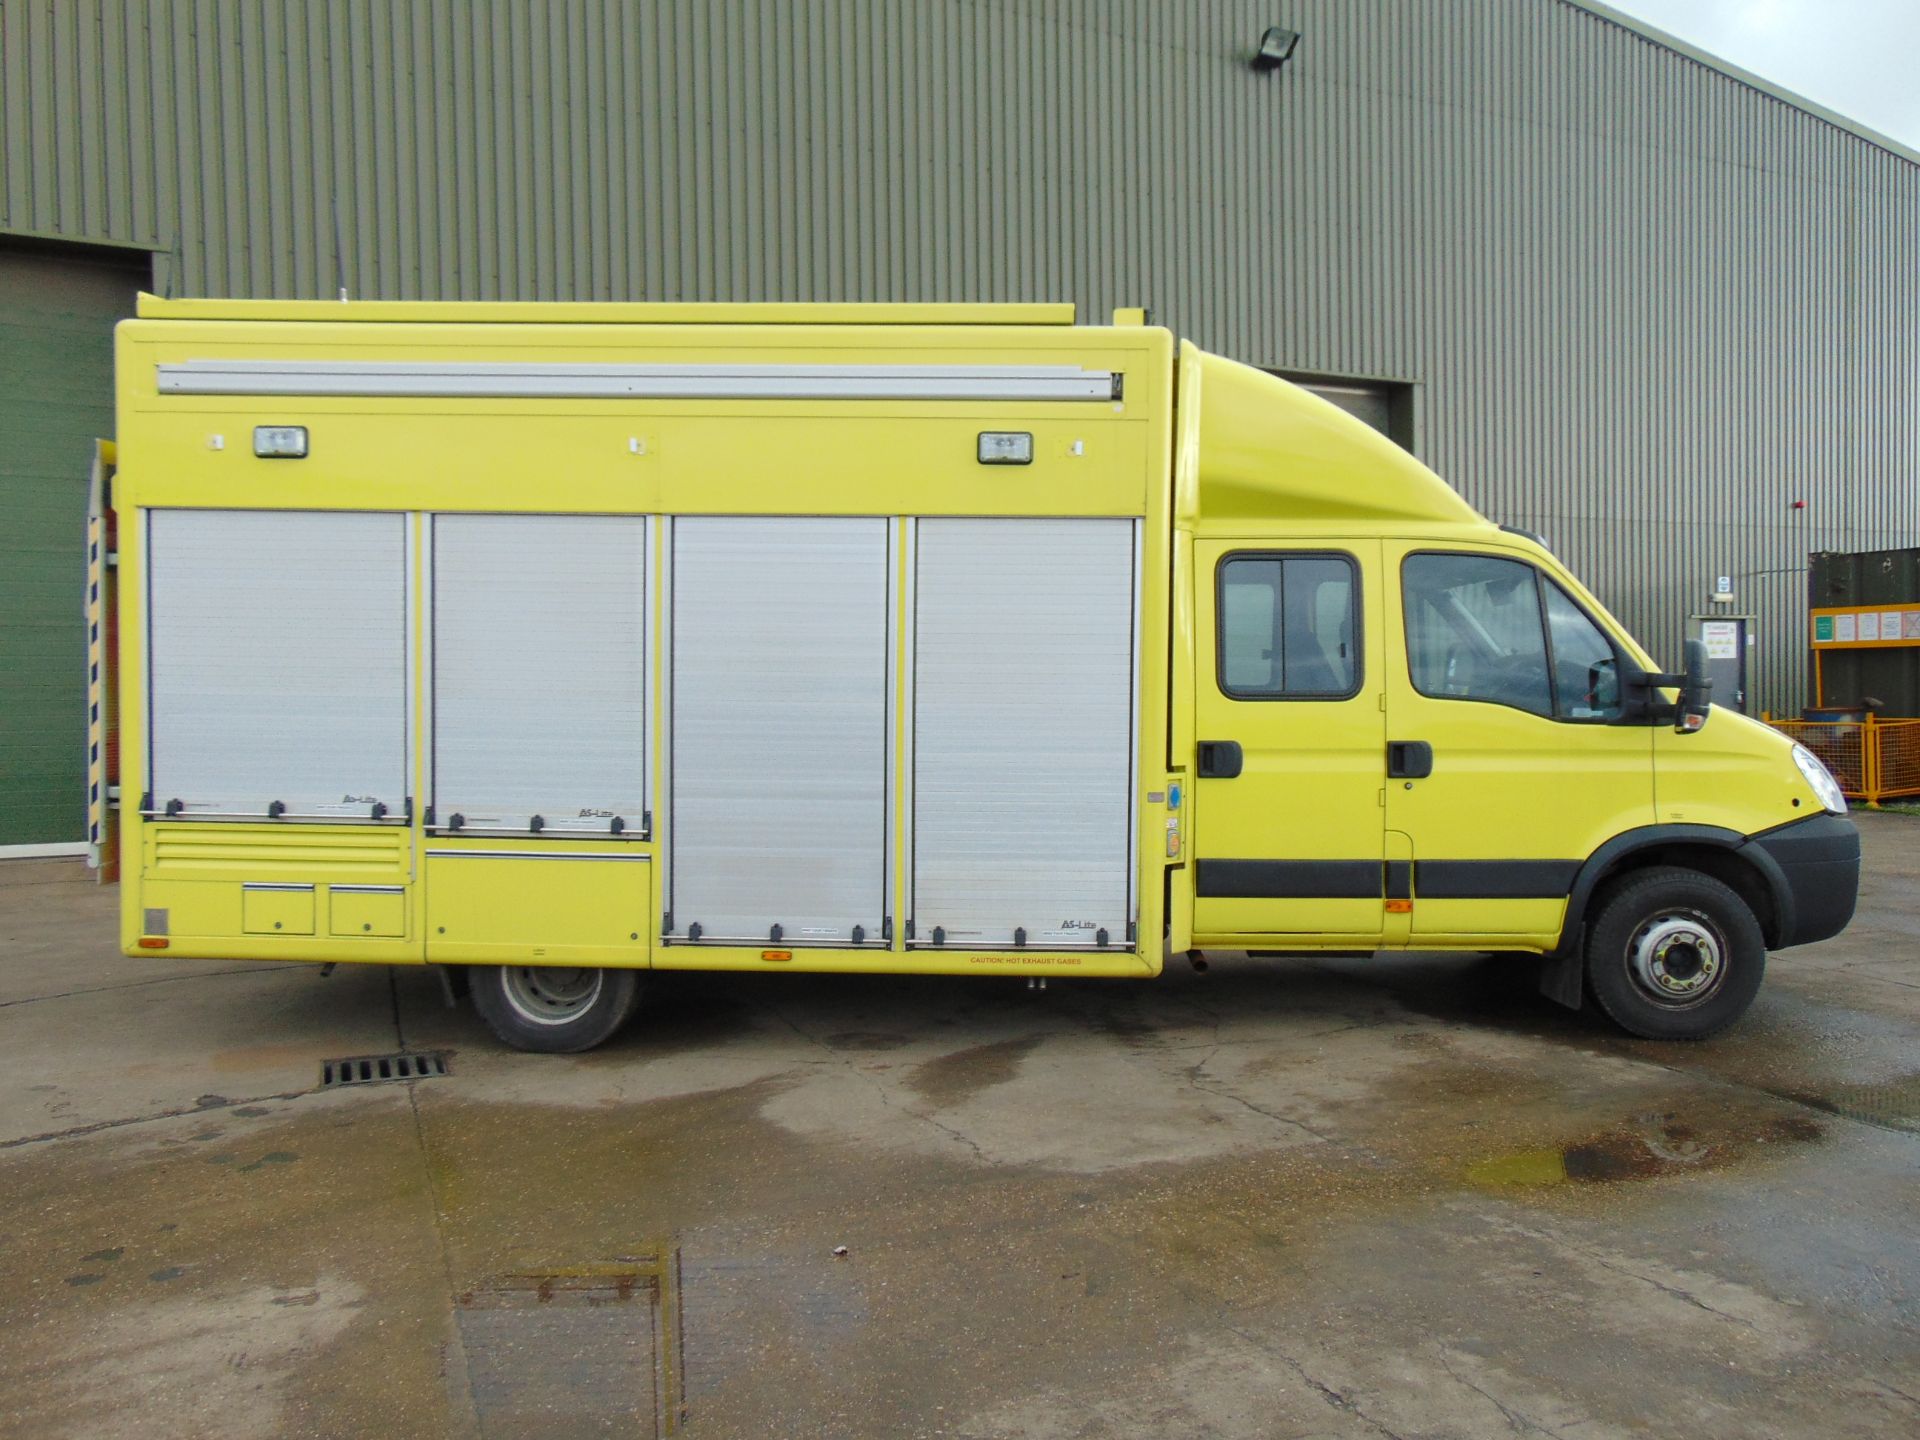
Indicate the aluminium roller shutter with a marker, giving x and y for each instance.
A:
(277, 651)
(1023, 731)
(539, 673)
(780, 674)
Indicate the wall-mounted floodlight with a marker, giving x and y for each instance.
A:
(1276, 48)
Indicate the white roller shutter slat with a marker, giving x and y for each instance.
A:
(539, 673)
(779, 682)
(278, 662)
(1023, 732)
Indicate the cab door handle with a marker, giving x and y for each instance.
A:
(1219, 759)
(1409, 759)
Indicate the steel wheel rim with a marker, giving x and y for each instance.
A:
(550, 994)
(1678, 959)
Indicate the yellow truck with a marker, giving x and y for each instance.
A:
(552, 644)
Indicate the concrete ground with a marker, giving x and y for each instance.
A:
(1381, 1198)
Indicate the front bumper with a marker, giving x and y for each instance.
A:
(1818, 864)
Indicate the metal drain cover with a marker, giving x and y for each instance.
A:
(383, 1069)
(590, 1350)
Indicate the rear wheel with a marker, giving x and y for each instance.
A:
(554, 1008)
(1673, 954)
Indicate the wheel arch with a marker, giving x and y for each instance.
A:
(1724, 854)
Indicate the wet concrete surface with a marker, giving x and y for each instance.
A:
(1287, 1198)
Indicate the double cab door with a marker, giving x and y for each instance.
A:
(1400, 743)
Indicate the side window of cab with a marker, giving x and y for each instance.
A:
(1482, 627)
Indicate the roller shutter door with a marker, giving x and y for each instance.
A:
(539, 673)
(1023, 732)
(277, 645)
(57, 312)
(780, 679)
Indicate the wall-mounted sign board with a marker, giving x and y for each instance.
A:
(1853, 627)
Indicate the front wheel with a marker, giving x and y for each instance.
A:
(1673, 954)
(554, 1008)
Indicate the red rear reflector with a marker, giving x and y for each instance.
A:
(776, 954)
(153, 942)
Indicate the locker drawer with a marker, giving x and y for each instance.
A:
(276, 909)
(361, 910)
(550, 907)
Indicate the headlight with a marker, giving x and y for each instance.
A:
(1825, 788)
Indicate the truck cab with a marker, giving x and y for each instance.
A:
(1414, 729)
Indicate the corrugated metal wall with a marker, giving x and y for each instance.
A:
(1648, 306)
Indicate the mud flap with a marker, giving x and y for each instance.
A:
(1563, 970)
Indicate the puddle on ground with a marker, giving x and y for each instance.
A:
(958, 1077)
(1645, 1147)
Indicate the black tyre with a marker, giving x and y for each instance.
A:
(554, 1008)
(1673, 954)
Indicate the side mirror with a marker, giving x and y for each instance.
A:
(1696, 691)
(1689, 712)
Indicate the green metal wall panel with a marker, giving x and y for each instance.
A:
(56, 395)
(1647, 305)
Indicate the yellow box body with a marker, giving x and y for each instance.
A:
(1240, 462)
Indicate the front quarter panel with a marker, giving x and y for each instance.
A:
(1735, 773)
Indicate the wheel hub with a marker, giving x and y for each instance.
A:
(551, 994)
(1677, 960)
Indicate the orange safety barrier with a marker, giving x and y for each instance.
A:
(1873, 760)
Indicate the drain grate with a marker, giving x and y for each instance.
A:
(592, 1349)
(383, 1069)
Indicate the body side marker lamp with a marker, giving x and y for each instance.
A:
(153, 942)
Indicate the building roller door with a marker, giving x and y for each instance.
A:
(539, 674)
(780, 682)
(277, 645)
(1023, 732)
(57, 311)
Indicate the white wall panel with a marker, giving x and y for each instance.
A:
(1023, 726)
(539, 671)
(780, 663)
(278, 652)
